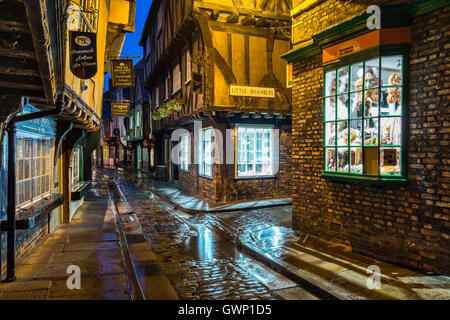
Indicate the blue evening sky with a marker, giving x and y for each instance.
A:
(131, 46)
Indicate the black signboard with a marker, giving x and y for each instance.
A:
(83, 54)
(122, 73)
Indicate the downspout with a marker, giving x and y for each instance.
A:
(11, 204)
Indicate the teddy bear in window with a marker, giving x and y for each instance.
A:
(371, 96)
(394, 94)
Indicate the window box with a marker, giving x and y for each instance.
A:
(26, 218)
(80, 190)
(364, 120)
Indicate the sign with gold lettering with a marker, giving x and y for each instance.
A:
(122, 73)
(255, 92)
(83, 54)
(120, 109)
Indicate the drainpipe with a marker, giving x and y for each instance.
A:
(11, 211)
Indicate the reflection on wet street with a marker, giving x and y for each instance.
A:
(198, 253)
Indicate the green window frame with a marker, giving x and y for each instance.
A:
(364, 118)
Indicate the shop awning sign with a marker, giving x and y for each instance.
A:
(83, 54)
(122, 73)
(120, 109)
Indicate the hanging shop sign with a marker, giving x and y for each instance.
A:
(83, 54)
(122, 73)
(120, 109)
(256, 92)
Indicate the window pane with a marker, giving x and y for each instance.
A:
(357, 77)
(371, 104)
(370, 161)
(330, 83)
(390, 161)
(330, 159)
(342, 102)
(371, 132)
(356, 132)
(391, 131)
(372, 76)
(330, 109)
(330, 134)
(342, 133)
(356, 160)
(391, 101)
(391, 70)
(356, 105)
(343, 81)
(342, 160)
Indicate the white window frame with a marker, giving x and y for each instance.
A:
(32, 166)
(188, 66)
(185, 152)
(205, 154)
(270, 160)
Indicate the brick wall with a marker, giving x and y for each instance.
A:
(408, 224)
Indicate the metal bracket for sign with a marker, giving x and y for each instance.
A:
(91, 10)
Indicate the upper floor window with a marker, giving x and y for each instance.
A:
(176, 85)
(364, 118)
(255, 151)
(188, 66)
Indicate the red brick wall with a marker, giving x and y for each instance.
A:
(408, 224)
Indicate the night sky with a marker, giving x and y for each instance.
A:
(131, 46)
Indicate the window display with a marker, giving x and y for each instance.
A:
(363, 109)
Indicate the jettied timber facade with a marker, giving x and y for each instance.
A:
(49, 118)
(213, 66)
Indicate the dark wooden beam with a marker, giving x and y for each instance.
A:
(17, 54)
(14, 26)
(19, 71)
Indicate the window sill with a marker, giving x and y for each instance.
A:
(205, 177)
(80, 190)
(370, 180)
(184, 171)
(26, 219)
(256, 178)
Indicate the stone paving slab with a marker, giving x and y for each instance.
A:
(335, 272)
(90, 242)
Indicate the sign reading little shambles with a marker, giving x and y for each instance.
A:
(122, 73)
(83, 54)
(257, 92)
(120, 109)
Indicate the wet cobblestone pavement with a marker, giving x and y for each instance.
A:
(198, 253)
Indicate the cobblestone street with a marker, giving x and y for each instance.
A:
(198, 252)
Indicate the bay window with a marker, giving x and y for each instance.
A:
(205, 153)
(255, 151)
(364, 118)
(184, 152)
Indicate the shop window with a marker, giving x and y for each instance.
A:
(364, 118)
(205, 153)
(76, 171)
(255, 151)
(184, 152)
(34, 170)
